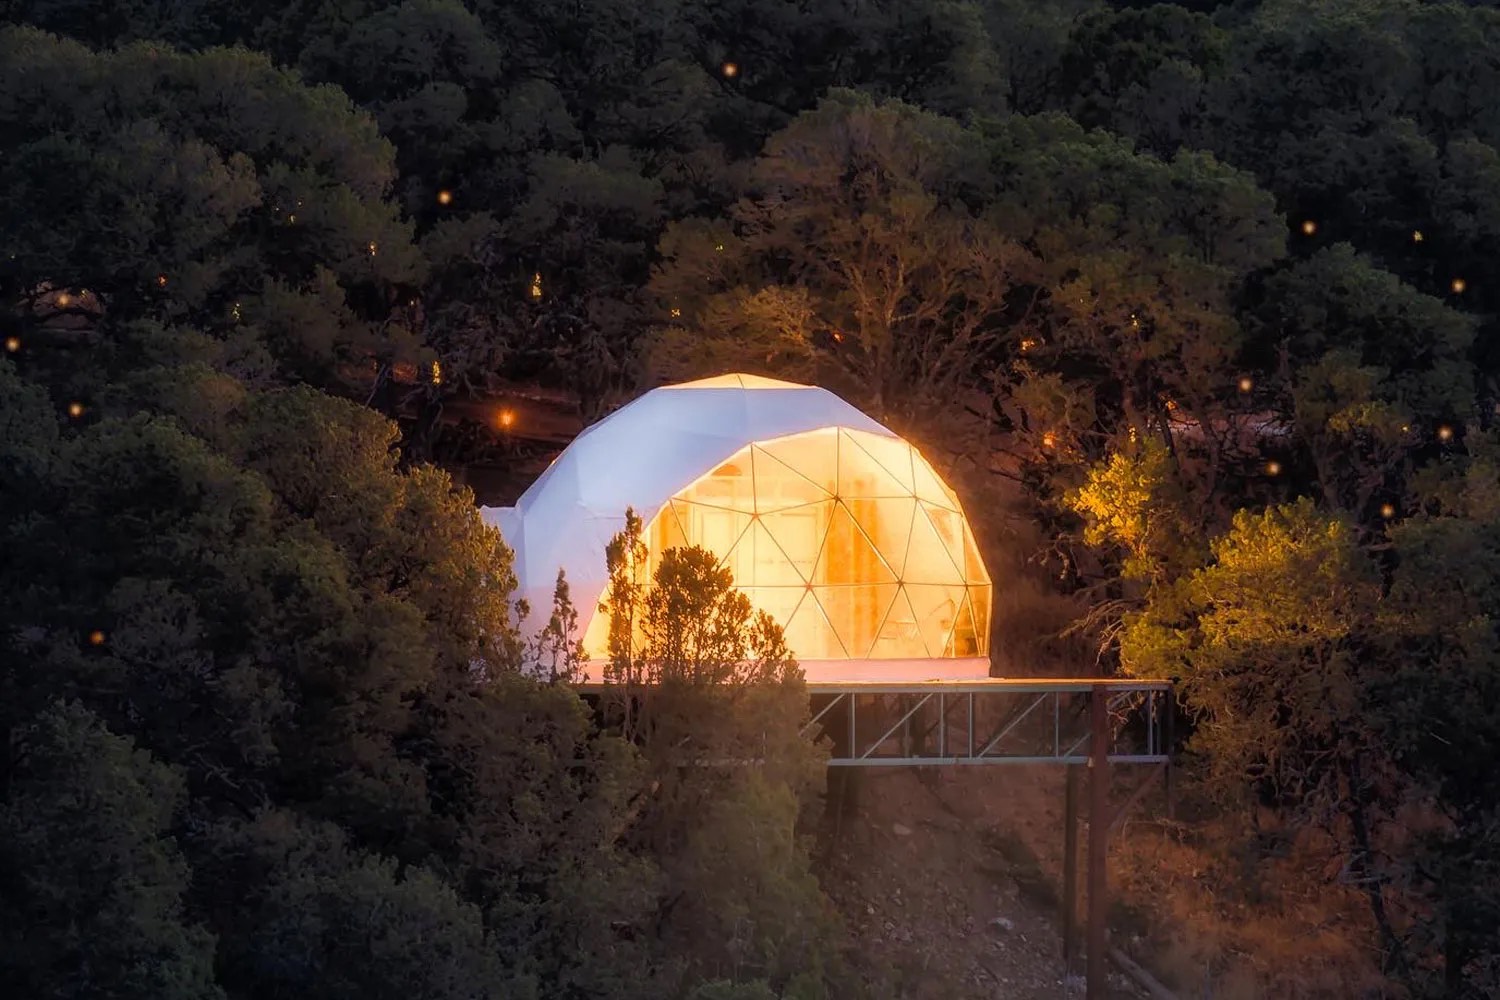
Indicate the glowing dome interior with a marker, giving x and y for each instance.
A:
(831, 523)
(848, 539)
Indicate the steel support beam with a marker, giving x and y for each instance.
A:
(996, 721)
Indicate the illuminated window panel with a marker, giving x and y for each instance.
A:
(847, 539)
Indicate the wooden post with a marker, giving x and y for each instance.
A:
(1070, 870)
(1098, 840)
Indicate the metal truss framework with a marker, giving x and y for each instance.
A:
(992, 721)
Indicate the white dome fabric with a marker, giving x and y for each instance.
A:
(873, 572)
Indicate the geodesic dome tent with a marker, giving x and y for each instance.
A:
(830, 522)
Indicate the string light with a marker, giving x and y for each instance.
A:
(437, 373)
(1458, 285)
(1445, 433)
(1027, 344)
(1246, 384)
(161, 281)
(235, 312)
(730, 70)
(1387, 511)
(1273, 468)
(445, 197)
(719, 248)
(536, 285)
(838, 337)
(676, 313)
(372, 248)
(292, 218)
(507, 418)
(75, 410)
(96, 638)
(1049, 440)
(64, 300)
(12, 344)
(1416, 236)
(1309, 227)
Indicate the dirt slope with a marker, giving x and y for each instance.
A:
(940, 883)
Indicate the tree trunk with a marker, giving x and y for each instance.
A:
(1393, 956)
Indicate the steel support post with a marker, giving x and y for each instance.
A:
(1098, 840)
(1169, 713)
(1070, 870)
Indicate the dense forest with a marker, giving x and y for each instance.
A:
(1206, 294)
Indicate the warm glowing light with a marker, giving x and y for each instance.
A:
(64, 300)
(1416, 236)
(1309, 227)
(1387, 510)
(292, 218)
(445, 197)
(437, 373)
(235, 312)
(719, 248)
(1273, 468)
(161, 281)
(731, 70)
(838, 338)
(372, 248)
(1049, 440)
(1458, 285)
(1171, 404)
(1246, 384)
(96, 638)
(676, 313)
(12, 344)
(536, 285)
(1445, 433)
(1027, 344)
(848, 540)
(506, 418)
(75, 410)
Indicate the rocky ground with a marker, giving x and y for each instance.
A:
(940, 880)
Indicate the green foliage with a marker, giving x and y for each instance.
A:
(1134, 502)
(212, 190)
(710, 693)
(851, 257)
(91, 880)
(1266, 642)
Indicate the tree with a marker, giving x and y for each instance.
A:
(314, 916)
(1435, 710)
(716, 703)
(91, 879)
(1270, 646)
(1131, 332)
(1369, 369)
(1141, 71)
(212, 191)
(852, 257)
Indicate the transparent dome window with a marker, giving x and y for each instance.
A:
(848, 539)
